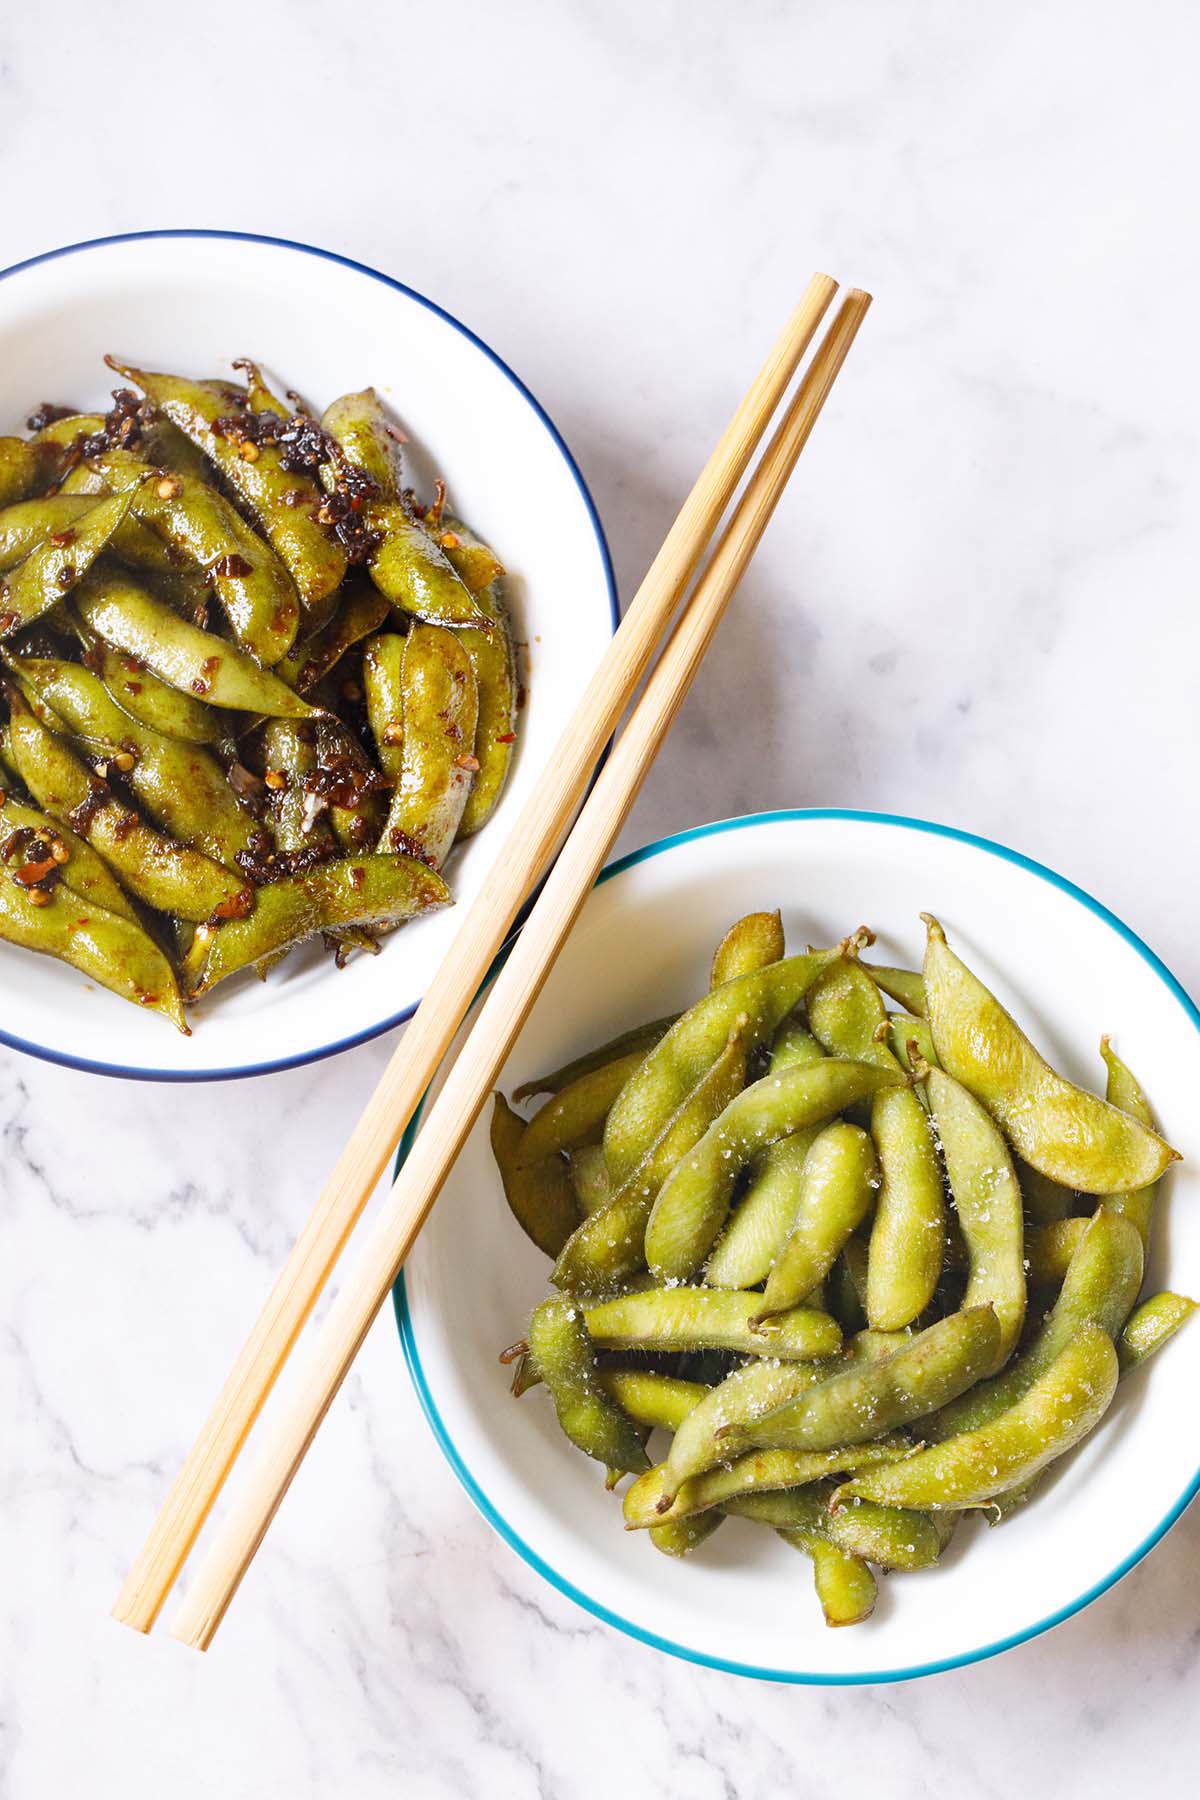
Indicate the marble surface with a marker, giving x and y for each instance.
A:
(978, 605)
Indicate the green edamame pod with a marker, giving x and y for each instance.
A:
(1101, 1286)
(290, 755)
(360, 611)
(162, 445)
(987, 1201)
(693, 1202)
(1059, 1409)
(1148, 1329)
(26, 467)
(750, 943)
(904, 986)
(205, 536)
(755, 1234)
(869, 1398)
(180, 654)
(763, 1472)
(1049, 1249)
(837, 1185)
(383, 686)
(360, 424)
(180, 786)
(53, 568)
(1045, 1201)
(440, 711)
(147, 699)
(540, 1197)
(353, 890)
(640, 1037)
(893, 1537)
(285, 504)
(589, 1178)
(31, 522)
(494, 660)
(847, 1014)
(156, 869)
(693, 1043)
(111, 950)
(575, 1114)
(682, 1536)
(845, 1586)
(905, 1029)
(1124, 1092)
(82, 870)
(845, 1293)
(609, 1246)
(1073, 1137)
(657, 1402)
(595, 1424)
(708, 1319)
(747, 1394)
(474, 562)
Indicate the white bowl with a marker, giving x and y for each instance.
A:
(744, 1602)
(191, 301)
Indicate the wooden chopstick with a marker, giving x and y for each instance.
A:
(517, 868)
(453, 1112)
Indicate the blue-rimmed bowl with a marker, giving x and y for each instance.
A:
(193, 300)
(641, 948)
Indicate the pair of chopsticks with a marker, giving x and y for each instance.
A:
(515, 872)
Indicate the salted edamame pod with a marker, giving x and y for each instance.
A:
(837, 1185)
(1148, 1328)
(609, 1246)
(437, 762)
(683, 1318)
(1123, 1091)
(968, 1470)
(165, 874)
(750, 943)
(845, 1585)
(893, 1537)
(539, 1195)
(762, 1472)
(904, 986)
(594, 1422)
(658, 1402)
(111, 950)
(351, 890)
(639, 1037)
(693, 1202)
(588, 1173)
(693, 1043)
(1072, 1136)
(748, 1393)
(180, 654)
(285, 503)
(53, 568)
(575, 1114)
(908, 1234)
(869, 1398)
(987, 1201)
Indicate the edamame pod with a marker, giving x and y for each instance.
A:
(26, 467)
(111, 950)
(1148, 1329)
(693, 1043)
(540, 1197)
(1059, 1409)
(181, 786)
(904, 986)
(988, 1203)
(837, 1185)
(1071, 1136)
(1123, 1091)
(682, 1318)
(1101, 1285)
(745, 1395)
(693, 1202)
(147, 699)
(609, 1246)
(640, 1037)
(589, 1178)
(180, 654)
(575, 1114)
(595, 1424)
(31, 522)
(156, 869)
(53, 568)
(1049, 1249)
(750, 943)
(908, 1235)
(904, 1030)
(845, 1586)
(474, 562)
(658, 1402)
(755, 1234)
(493, 658)
(250, 584)
(383, 686)
(893, 1537)
(360, 611)
(870, 1398)
(763, 1472)
(82, 870)
(284, 503)
(682, 1536)
(1045, 1201)
(353, 890)
(437, 763)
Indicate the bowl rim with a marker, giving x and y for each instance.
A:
(89, 1065)
(597, 1609)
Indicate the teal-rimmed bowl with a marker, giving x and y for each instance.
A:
(743, 1603)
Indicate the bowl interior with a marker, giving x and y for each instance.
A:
(1069, 971)
(324, 327)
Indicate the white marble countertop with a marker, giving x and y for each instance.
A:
(979, 605)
